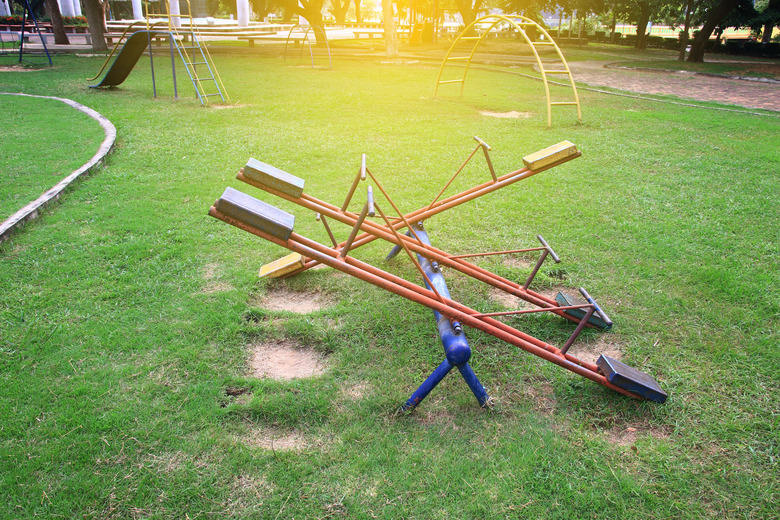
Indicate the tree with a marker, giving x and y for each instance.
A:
(93, 9)
(690, 7)
(311, 10)
(714, 17)
(469, 9)
(767, 17)
(339, 10)
(261, 8)
(358, 15)
(60, 37)
(643, 12)
(391, 36)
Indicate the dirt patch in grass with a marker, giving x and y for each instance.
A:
(167, 462)
(285, 360)
(542, 395)
(506, 115)
(627, 434)
(507, 300)
(432, 416)
(277, 440)
(247, 490)
(18, 69)
(213, 285)
(519, 262)
(590, 351)
(513, 302)
(355, 392)
(281, 298)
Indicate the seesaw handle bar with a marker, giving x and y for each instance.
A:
(372, 231)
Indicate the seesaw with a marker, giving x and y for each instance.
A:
(275, 225)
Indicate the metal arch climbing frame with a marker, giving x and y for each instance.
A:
(306, 39)
(495, 20)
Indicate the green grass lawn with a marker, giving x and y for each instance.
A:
(44, 141)
(128, 316)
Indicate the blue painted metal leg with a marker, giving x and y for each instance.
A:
(396, 249)
(428, 385)
(456, 346)
(476, 387)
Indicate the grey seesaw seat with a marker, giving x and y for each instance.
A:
(255, 213)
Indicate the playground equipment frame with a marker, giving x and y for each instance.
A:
(494, 20)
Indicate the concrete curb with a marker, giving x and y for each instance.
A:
(32, 210)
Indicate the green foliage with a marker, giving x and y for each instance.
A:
(127, 314)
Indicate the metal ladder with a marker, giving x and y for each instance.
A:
(537, 40)
(208, 83)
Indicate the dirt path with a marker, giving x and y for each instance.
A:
(698, 87)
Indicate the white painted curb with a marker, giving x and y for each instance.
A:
(31, 210)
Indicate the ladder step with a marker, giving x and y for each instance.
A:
(471, 38)
(451, 81)
(458, 58)
(542, 43)
(555, 71)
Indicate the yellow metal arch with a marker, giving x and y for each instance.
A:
(519, 23)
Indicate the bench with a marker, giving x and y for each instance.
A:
(370, 33)
(158, 38)
(251, 39)
(49, 37)
(379, 33)
(8, 37)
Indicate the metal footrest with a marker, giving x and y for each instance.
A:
(255, 213)
(631, 379)
(565, 300)
(285, 265)
(550, 155)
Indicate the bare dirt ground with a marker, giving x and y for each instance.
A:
(685, 85)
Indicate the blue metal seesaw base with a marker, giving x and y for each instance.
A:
(456, 347)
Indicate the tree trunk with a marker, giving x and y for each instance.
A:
(641, 25)
(686, 28)
(358, 16)
(766, 35)
(612, 27)
(261, 8)
(468, 13)
(716, 16)
(53, 8)
(93, 9)
(312, 11)
(339, 10)
(391, 36)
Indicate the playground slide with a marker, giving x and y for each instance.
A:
(128, 56)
